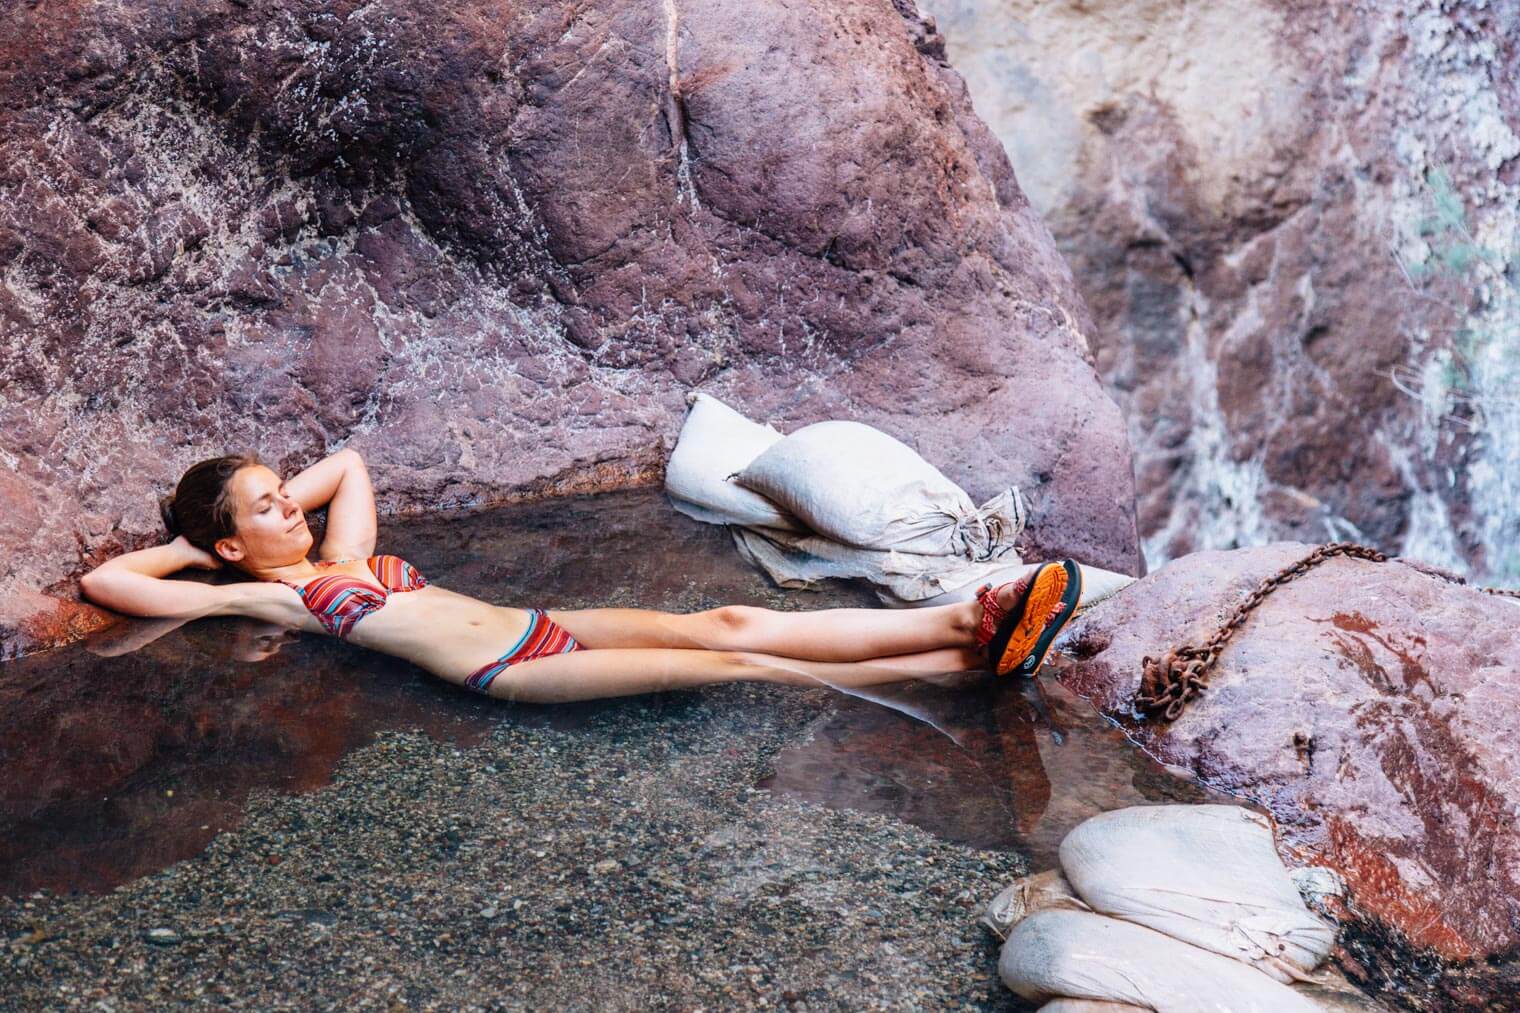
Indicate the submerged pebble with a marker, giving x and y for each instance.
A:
(650, 886)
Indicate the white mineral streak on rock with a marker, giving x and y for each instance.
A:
(1241, 196)
(1460, 107)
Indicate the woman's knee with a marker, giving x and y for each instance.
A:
(735, 624)
(753, 666)
(738, 617)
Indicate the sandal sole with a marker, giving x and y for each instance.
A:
(1023, 647)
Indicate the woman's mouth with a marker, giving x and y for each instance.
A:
(297, 524)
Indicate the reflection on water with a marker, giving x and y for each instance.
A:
(112, 767)
(130, 752)
(998, 765)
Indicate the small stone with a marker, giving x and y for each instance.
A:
(488, 912)
(605, 866)
(162, 937)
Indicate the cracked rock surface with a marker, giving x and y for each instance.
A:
(493, 247)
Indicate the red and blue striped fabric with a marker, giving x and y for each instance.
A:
(340, 601)
(543, 636)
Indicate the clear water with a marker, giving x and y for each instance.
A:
(130, 752)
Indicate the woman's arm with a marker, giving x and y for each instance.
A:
(134, 583)
(340, 482)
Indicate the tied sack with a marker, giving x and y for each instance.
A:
(857, 485)
(1080, 955)
(715, 442)
(1208, 875)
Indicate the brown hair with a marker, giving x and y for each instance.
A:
(202, 507)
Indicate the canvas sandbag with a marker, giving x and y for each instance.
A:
(1208, 875)
(1341, 998)
(858, 485)
(802, 560)
(1057, 954)
(715, 442)
(1044, 891)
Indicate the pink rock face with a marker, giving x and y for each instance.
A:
(1373, 709)
(1304, 326)
(493, 247)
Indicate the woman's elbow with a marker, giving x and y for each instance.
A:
(101, 590)
(96, 588)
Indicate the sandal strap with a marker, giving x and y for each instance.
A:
(992, 615)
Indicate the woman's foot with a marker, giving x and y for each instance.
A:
(1021, 619)
(997, 602)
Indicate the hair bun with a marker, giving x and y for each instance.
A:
(166, 510)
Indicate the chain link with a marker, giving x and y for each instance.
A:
(1169, 682)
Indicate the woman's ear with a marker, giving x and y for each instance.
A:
(230, 549)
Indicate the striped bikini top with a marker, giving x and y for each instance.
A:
(340, 601)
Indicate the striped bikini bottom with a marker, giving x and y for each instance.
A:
(543, 636)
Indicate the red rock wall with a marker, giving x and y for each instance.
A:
(492, 246)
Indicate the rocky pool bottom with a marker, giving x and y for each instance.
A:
(327, 826)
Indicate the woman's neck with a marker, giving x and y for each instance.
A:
(297, 571)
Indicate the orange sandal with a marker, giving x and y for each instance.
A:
(1019, 638)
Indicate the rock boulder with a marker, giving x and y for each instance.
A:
(1374, 710)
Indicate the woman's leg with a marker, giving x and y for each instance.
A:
(593, 674)
(843, 634)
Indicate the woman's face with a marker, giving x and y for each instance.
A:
(271, 528)
(256, 641)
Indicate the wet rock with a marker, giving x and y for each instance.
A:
(1372, 709)
(494, 249)
(1250, 197)
(31, 621)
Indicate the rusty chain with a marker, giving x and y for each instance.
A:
(1169, 682)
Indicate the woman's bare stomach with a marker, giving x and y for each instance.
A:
(449, 634)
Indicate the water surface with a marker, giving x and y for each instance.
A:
(131, 751)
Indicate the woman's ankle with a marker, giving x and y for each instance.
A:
(966, 620)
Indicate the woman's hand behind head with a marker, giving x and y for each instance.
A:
(193, 557)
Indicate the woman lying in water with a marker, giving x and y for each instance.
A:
(235, 511)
